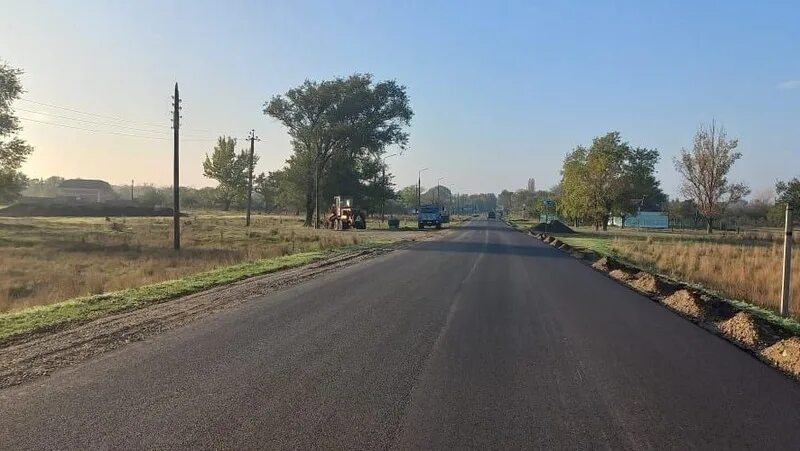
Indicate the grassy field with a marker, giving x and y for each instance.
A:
(47, 260)
(745, 266)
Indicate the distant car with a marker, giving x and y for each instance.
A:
(491, 215)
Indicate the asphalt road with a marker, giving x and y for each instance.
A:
(486, 338)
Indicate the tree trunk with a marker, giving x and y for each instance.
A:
(605, 223)
(309, 204)
(710, 225)
(622, 217)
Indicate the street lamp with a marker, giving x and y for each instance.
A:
(383, 182)
(450, 187)
(419, 188)
(438, 181)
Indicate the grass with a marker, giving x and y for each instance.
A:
(87, 308)
(49, 260)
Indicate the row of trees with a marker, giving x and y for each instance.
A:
(610, 177)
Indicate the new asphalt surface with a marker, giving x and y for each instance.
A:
(484, 338)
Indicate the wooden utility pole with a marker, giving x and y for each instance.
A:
(131, 190)
(786, 289)
(176, 209)
(252, 139)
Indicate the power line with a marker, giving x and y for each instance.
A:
(92, 130)
(187, 138)
(113, 118)
(90, 122)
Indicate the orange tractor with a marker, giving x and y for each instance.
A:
(342, 215)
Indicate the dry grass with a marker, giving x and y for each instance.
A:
(745, 266)
(749, 271)
(46, 260)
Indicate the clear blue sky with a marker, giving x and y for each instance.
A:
(501, 90)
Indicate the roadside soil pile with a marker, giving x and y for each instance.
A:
(771, 342)
(688, 303)
(742, 328)
(785, 354)
(93, 210)
(554, 226)
(648, 283)
(620, 274)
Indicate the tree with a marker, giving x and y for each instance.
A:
(229, 169)
(408, 197)
(642, 191)
(266, 186)
(594, 181)
(705, 172)
(350, 116)
(788, 192)
(13, 150)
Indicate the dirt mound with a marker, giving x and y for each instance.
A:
(554, 226)
(741, 328)
(648, 283)
(688, 303)
(621, 275)
(785, 354)
(95, 209)
(606, 264)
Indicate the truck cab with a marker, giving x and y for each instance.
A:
(429, 215)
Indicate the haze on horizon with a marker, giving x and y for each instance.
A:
(500, 92)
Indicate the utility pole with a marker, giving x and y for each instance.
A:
(176, 209)
(419, 188)
(253, 138)
(131, 190)
(383, 182)
(786, 291)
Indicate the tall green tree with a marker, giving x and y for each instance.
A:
(13, 149)
(229, 169)
(353, 115)
(705, 172)
(788, 193)
(608, 177)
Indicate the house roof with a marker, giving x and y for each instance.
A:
(85, 184)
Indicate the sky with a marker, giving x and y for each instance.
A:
(501, 91)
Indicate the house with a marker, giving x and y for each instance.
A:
(86, 190)
(644, 220)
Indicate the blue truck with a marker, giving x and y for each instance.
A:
(430, 215)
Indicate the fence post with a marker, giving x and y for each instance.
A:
(787, 263)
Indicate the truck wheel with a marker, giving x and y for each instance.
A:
(421, 226)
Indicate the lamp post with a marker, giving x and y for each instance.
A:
(450, 200)
(419, 188)
(383, 182)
